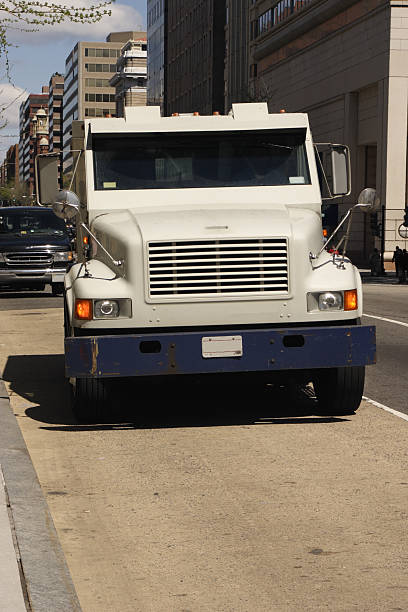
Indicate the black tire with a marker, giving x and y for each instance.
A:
(339, 390)
(57, 288)
(91, 400)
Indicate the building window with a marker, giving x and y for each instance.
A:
(97, 83)
(95, 97)
(101, 52)
(99, 112)
(100, 67)
(276, 15)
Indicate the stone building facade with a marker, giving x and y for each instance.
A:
(345, 62)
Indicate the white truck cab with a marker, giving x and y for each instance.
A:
(205, 255)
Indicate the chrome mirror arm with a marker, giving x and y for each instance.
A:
(346, 216)
(116, 262)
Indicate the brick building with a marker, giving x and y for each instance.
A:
(28, 136)
(9, 174)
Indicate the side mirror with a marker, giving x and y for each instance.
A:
(66, 204)
(340, 166)
(368, 200)
(46, 178)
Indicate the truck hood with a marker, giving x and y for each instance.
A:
(182, 225)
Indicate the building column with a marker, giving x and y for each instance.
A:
(394, 184)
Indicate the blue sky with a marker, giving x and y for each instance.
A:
(40, 54)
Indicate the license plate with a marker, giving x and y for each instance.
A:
(58, 278)
(221, 346)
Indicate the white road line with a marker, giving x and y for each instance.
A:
(401, 415)
(387, 320)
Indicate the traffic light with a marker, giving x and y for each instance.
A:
(405, 223)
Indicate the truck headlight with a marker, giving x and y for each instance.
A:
(106, 309)
(330, 300)
(65, 256)
(2, 258)
(86, 309)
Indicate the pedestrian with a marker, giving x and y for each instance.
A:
(375, 263)
(403, 267)
(397, 260)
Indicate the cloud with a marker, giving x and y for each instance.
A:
(123, 18)
(10, 99)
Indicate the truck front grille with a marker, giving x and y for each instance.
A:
(29, 259)
(218, 267)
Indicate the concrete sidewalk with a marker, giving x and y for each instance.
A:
(388, 279)
(33, 572)
(11, 591)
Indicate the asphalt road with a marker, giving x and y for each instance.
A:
(387, 382)
(24, 300)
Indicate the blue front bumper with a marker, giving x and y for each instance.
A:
(181, 352)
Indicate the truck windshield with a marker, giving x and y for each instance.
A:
(32, 222)
(201, 159)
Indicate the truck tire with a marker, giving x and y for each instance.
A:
(91, 400)
(339, 390)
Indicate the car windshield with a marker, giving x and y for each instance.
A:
(30, 222)
(197, 159)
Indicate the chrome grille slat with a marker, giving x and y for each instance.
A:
(27, 258)
(217, 267)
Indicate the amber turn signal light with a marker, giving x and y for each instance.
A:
(83, 310)
(350, 300)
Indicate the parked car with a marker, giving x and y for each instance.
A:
(35, 248)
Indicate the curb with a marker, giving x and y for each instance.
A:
(44, 573)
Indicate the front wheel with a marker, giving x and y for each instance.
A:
(91, 400)
(339, 390)
(57, 288)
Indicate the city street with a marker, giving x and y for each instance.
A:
(231, 499)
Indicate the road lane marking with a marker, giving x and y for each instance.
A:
(387, 320)
(401, 415)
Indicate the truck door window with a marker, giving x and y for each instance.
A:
(192, 160)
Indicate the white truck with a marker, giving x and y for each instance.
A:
(204, 254)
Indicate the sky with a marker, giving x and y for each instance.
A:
(37, 55)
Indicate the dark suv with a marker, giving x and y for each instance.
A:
(35, 248)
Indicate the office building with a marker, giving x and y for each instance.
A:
(236, 53)
(28, 144)
(345, 62)
(156, 47)
(87, 90)
(194, 60)
(130, 79)
(55, 108)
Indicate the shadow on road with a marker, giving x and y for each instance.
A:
(156, 405)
